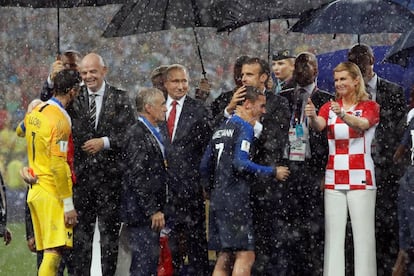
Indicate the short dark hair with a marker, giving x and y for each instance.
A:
(252, 93)
(65, 80)
(360, 51)
(264, 66)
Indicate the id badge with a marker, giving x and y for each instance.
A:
(299, 131)
(297, 150)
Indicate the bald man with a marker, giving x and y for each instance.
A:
(100, 117)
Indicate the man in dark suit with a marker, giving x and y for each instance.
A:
(270, 143)
(100, 116)
(145, 183)
(186, 135)
(390, 97)
(301, 213)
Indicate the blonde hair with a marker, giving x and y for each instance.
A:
(353, 70)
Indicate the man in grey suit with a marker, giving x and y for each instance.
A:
(186, 135)
(390, 97)
(100, 116)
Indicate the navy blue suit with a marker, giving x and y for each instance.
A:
(388, 133)
(183, 157)
(144, 194)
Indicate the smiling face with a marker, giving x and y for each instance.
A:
(93, 71)
(176, 83)
(345, 84)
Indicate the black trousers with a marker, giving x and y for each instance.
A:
(188, 237)
(290, 225)
(96, 202)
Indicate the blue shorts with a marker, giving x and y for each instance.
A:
(231, 231)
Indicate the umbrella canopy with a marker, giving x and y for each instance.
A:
(356, 17)
(232, 14)
(58, 4)
(402, 49)
(151, 16)
(392, 72)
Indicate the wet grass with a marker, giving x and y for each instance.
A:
(16, 259)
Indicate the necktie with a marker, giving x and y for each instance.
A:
(92, 111)
(299, 98)
(171, 119)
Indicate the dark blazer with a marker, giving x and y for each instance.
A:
(318, 140)
(393, 109)
(274, 136)
(185, 151)
(116, 115)
(218, 105)
(145, 181)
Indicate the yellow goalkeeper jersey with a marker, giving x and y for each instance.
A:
(48, 128)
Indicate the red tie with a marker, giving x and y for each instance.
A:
(171, 119)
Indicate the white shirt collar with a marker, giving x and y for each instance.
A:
(309, 88)
(372, 83)
(170, 100)
(100, 91)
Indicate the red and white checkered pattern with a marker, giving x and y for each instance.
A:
(350, 165)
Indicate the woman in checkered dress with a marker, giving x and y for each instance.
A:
(349, 179)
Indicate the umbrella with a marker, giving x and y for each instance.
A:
(145, 16)
(58, 4)
(392, 72)
(232, 14)
(355, 17)
(402, 49)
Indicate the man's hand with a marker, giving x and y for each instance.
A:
(31, 244)
(157, 221)
(282, 173)
(237, 98)
(57, 66)
(203, 90)
(93, 146)
(71, 218)
(28, 175)
(7, 237)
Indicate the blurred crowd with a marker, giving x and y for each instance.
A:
(28, 46)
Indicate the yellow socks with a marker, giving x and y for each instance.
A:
(50, 264)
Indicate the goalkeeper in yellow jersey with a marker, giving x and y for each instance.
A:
(48, 128)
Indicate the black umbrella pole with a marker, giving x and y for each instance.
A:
(58, 28)
(199, 53)
(268, 41)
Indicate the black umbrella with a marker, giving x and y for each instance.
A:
(401, 51)
(58, 4)
(356, 17)
(232, 14)
(145, 16)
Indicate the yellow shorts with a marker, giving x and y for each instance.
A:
(48, 219)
